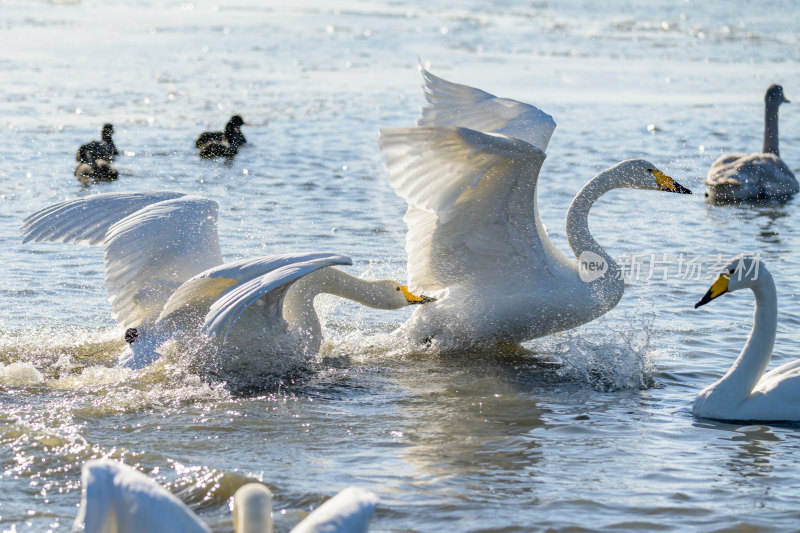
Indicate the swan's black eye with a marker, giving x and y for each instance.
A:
(398, 288)
(732, 271)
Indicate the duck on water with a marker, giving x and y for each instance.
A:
(222, 143)
(94, 158)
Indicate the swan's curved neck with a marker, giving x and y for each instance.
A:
(581, 241)
(771, 129)
(298, 304)
(334, 281)
(748, 368)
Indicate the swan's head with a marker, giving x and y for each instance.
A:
(774, 95)
(641, 174)
(742, 272)
(252, 508)
(389, 294)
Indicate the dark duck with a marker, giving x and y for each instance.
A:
(104, 149)
(94, 158)
(222, 143)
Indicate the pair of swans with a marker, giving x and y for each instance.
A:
(745, 392)
(118, 499)
(468, 172)
(750, 177)
(475, 241)
(166, 279)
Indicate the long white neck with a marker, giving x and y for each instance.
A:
(748, 368)
(771, 129)
(298, 304)
(610, 286)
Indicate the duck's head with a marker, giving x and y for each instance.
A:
(641, 174)
(107, 131)
(775, 96)
(742, 272)
(235, 122)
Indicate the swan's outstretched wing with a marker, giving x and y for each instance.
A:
(453, 104)
(153, 241)
(86, 220)
(150, 253)
(471, 199)
(118, 499)
(229, 290)
(349, 511)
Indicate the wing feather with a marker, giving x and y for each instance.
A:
(453, 104)
(471, 197)
(86, 220)
(151, 252)
(270, 285)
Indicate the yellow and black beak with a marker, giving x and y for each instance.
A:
(718, 288)
(665, 183)
(413, 299)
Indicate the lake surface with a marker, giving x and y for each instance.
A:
(591, 431)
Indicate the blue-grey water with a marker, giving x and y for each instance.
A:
(592, 431)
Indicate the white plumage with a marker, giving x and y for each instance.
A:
(746, 392)
(165, 277)
(475, 239)
(118, 499)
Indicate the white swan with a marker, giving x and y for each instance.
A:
(475, 239)
(747, 177)
(745, 393)
(164, 276)
(118, 499)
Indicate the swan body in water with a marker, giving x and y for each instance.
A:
(166, 279)
(745, 392)
(737, 178)
(475, 240)
(118, 499)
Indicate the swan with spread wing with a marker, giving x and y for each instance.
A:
(475, 241)
(165, 276)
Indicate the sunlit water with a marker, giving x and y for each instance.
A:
(592, 430)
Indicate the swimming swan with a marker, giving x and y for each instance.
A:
(164, 275)
(742, 177)
(118, 499)
(745, 393)
(475, 239)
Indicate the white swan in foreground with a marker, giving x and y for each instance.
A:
(747, 177)
(118, 499)
(165, 276)
(475, 239)
(745, 393)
